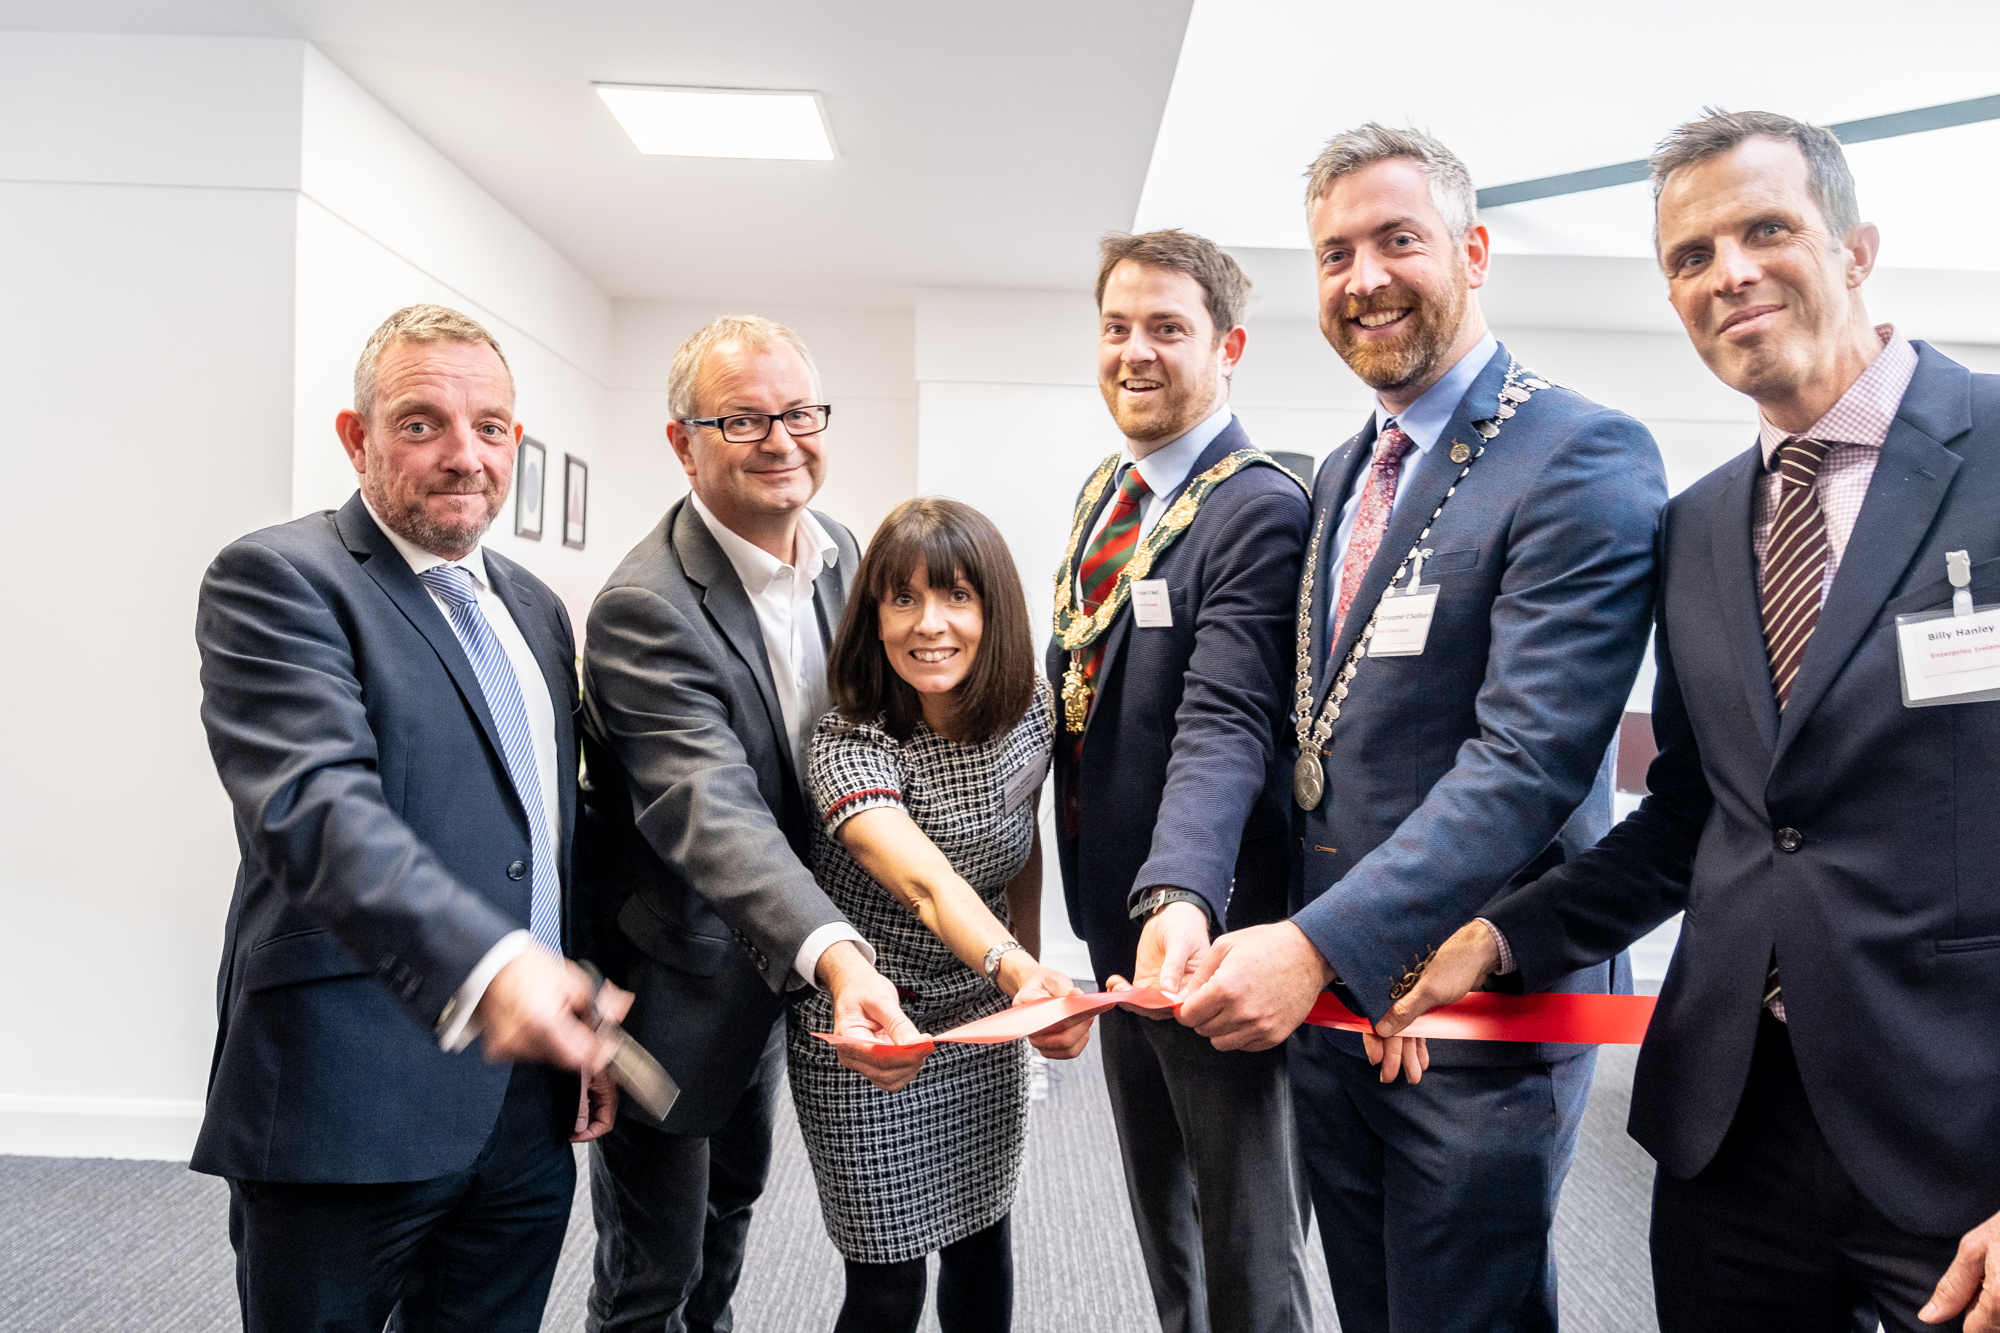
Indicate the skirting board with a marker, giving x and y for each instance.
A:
(158, 1128)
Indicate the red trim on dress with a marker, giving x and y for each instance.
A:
(852, 797)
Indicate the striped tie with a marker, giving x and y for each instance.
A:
(1103, 560)
(497, 682)
(1794, 570)
(1371, 519)
(1111, 548)
(1795, 566)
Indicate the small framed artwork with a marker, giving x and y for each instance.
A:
(531, 468)
(576, 499)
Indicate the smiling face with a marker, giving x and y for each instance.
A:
(756, 489)
(435, 454)
(1160, 366)
(1770, 299)
(1395, 290)
(931, 636)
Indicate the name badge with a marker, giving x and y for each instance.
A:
(1950, 657)
(1403, 622)
(1024, 789)
(1150, 608)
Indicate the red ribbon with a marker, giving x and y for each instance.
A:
(1482, 1016)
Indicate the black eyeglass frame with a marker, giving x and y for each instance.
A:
(769, 419)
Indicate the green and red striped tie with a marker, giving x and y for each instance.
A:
(1103, 560)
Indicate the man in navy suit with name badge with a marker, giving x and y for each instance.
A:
(1472, 612)
(389, 707)
(1173, 636)
(1820, 1084)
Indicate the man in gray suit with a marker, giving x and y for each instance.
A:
(704, 675)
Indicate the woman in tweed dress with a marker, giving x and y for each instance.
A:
(927, 777)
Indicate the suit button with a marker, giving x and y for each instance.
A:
(1790, 840)
(517, 870)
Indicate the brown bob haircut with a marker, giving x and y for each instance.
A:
(948, 541)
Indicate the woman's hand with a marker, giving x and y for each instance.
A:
(1030, 981)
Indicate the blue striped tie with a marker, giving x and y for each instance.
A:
(510, 718)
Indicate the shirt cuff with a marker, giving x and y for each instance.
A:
(1506, 953)
(456, 1026)
(817, 943)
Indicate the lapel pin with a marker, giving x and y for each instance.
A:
(1459, 452)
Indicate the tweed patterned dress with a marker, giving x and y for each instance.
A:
(902, 1174)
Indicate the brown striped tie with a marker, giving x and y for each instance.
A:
(1794, 569)
(1795, 566)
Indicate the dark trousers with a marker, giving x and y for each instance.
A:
(1437, 1200)
(1212, 1173)
(475, 1250)
(673, 1213)
(1773, 1235)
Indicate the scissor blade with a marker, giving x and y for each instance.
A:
(641, 1075)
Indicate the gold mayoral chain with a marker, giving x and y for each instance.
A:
(1309, 776)
(1076, 631)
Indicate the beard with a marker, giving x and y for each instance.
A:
(1418, 351)
(1179, 408)
(451, 538)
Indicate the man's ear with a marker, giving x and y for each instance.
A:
(682, 440)
(353, 433)
(1232, 349)
(1478, 255)
(1862, 245)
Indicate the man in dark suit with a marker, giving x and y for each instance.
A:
(1821, 1081)
(1173, 633)
(1477, 598)
(704, 675)
(389, 709)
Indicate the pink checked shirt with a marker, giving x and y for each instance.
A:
(1855, 426)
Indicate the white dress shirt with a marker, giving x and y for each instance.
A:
(1163, 471)
(457, 1027)
(782, 596)
(1423, 421)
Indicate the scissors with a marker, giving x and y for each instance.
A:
(632, 1065)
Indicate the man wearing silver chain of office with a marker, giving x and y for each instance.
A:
(1472, 610)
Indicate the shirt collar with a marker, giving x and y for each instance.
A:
(420, 560)
(1424, 420)
(1168, 466)
(813, 549)
(1868, 408)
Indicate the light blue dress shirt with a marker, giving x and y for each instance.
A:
(1423, 421)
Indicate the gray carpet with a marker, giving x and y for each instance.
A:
(110, 1246)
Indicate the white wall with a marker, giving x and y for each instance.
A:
(146, 360)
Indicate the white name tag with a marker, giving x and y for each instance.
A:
(1150, 608)
(1948, 658)
(1025, 787)
(1403, 623)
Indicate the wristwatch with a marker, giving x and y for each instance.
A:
(1159, 898)
(992, 964)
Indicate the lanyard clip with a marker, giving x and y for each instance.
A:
(1417, 559)
(1958, 569)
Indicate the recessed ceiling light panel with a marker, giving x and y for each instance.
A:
(721, 122)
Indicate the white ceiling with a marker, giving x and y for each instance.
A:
(980, 145)
(1545, 87)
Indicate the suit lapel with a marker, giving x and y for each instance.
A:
(1731, 544)
(385, 564)
(1912, 478)
(1425, 492)
(1335, 480)
(536, 621)
(728, 606)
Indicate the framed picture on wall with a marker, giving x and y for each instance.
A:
(576, 499)
(531, 467)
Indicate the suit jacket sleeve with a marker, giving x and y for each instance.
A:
(1591, 908)
(290, 733)
(655, 697)
(1568, 628)
(1225, 730)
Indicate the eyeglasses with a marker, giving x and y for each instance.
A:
(751, 427)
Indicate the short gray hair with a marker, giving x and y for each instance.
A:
(1718, 131)
(1451, 184)
(417, 324)
(752, 331)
